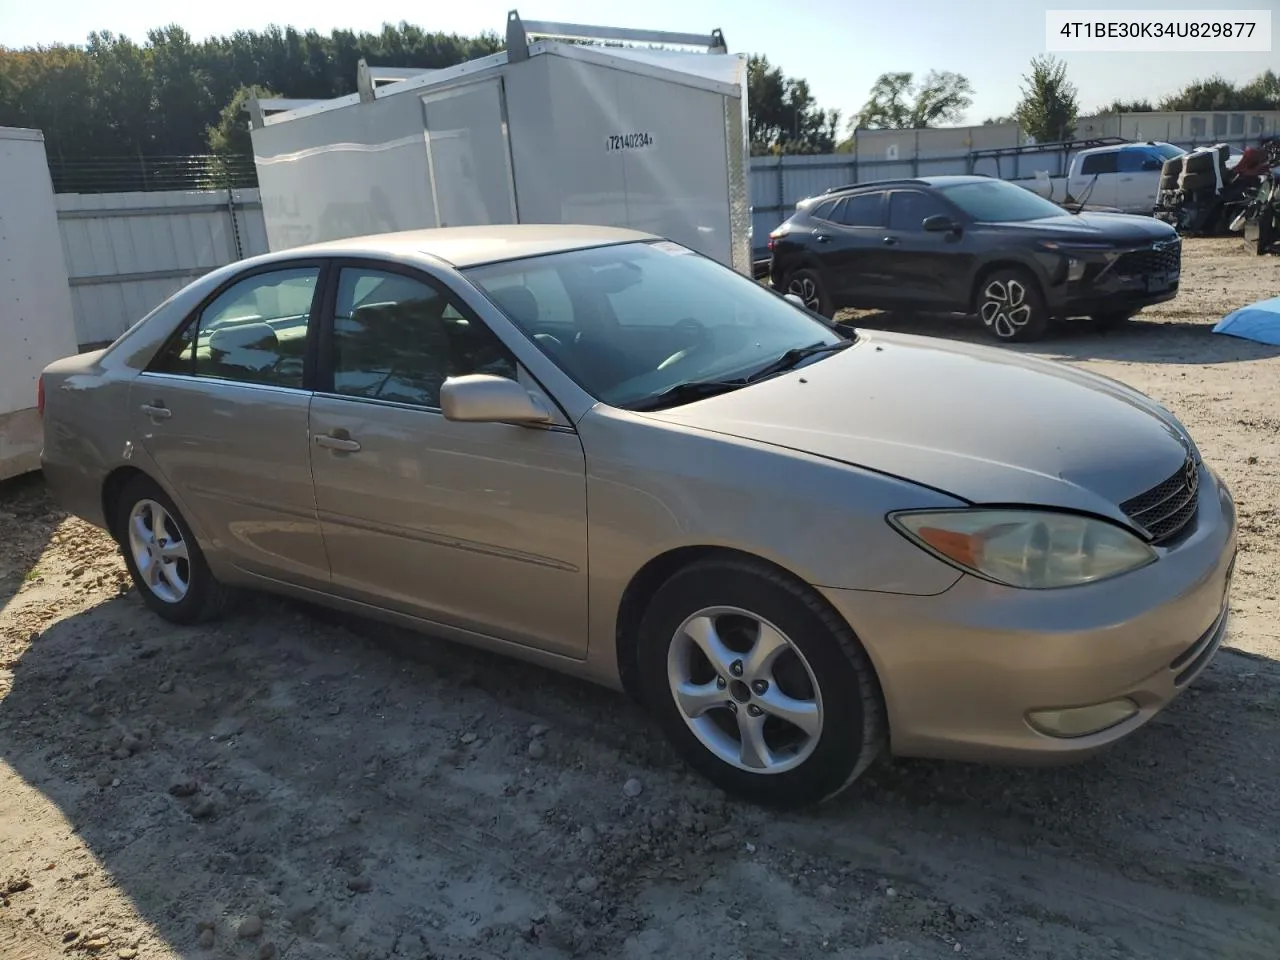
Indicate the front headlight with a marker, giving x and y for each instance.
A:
(1031, 549)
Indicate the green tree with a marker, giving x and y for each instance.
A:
(784, 116)
(1127, 106)
(897, 102)
(1218, 93)
(229, 137)
(1048, 108)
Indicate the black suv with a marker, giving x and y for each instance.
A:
(972, 245)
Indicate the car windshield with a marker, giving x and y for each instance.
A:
(637, 321)
(997, 201)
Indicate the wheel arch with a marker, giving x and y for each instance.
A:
(650, 578)
(112, 487)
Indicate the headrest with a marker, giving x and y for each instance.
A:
(517, 302)
(244, 336)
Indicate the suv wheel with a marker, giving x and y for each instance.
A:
(758, 684)
(808, 286)
(1011, 305)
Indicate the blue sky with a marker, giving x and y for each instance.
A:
(839, 47)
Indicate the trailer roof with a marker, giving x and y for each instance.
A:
(472, 246)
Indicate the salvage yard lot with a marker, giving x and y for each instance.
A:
(293, 784)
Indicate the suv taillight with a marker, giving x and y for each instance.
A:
(40, 395)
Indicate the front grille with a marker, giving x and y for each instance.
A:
(1152, 261)
(1166, 508)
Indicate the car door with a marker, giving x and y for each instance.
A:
(477, 526)
(223, 413)
(1094, 180)
(928, 269)
(1137, 178)
(854, 241)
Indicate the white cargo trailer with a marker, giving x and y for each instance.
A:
(546, 131)
(36, 321)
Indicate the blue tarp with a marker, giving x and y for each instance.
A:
(1259, 322)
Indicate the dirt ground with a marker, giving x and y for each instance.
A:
(286, 783)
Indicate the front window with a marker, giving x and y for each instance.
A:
(997, 201)
(1166, 151)
(629, 322)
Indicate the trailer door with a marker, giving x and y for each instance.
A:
(469, 154)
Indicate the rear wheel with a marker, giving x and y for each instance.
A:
(1011, 305)
(164, 560)
(758, 684)
(808, 286)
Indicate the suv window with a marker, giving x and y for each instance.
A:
(1105, 162)
(823, 210)
(908, 209)
(398, 338)
(862, 210)
(255, 331)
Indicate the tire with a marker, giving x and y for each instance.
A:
(1017, 316)
(807, 284)
(142, 502)
(820, 670)
(1191, 182)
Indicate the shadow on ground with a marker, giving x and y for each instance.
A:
(368, 793)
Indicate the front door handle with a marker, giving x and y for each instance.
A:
(822, 238)
(330, 442)
(157, 410)
(890, 241)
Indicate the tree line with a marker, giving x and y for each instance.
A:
(173, 96)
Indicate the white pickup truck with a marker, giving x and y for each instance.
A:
(1123, 177)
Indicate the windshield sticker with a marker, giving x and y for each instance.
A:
(627, 141)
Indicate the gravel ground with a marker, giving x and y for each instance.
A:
(287, 783)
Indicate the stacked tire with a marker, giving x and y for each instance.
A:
(1198, 171)
(1170, 173)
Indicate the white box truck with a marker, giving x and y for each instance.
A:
(36, 321)
(548, 131)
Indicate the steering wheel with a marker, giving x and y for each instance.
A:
(694, 331)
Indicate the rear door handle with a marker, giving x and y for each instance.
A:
(330, 442)
(157, 410)
(822, 238)
(890, 241)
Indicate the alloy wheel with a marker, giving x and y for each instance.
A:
(806, 290)
(159, 551)
(1005, 308)
(745, 690)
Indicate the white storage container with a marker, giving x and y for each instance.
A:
(544, 132)
(36, 322)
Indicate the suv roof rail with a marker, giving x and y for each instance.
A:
(873, 183)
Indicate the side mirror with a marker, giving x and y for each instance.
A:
(792, 298)
(940, 223)
(481, 398)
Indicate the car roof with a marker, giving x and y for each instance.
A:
(475, 245)
(938, 181)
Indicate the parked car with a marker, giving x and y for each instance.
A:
(604, 453)
(1123, 177)
(963, 244)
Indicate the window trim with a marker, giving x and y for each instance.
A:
(196, 314)
(324, 369)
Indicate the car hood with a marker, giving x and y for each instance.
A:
(1094, 227)
(985, 425)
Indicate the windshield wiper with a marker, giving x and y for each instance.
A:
(686, 393)
(793, 357)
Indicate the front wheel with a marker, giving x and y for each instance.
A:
(758, 684)
(164, 560)
(1011, 306)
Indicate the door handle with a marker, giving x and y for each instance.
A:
(157, 410)
(890, 241)
(330, 442)
(822, 238)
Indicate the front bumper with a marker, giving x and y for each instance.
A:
(962, 671)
